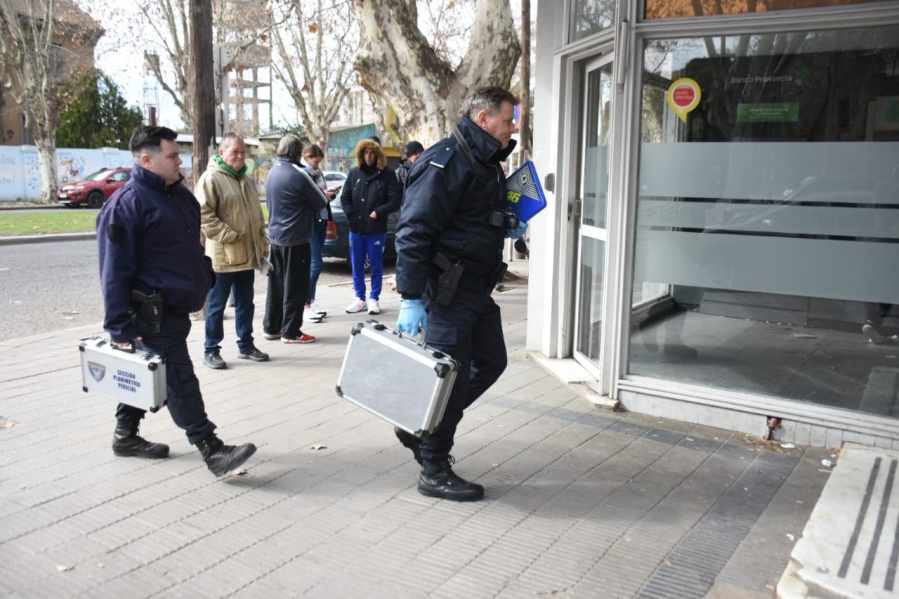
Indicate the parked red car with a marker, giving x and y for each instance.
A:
(94, 189)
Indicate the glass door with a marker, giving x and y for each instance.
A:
(593, 204)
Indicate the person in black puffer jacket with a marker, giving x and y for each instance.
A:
(370, 194)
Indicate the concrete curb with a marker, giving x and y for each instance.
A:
(22, 239)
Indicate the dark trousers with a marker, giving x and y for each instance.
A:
(288, 287)
(470, 331)
(185, 402)
(241, 283)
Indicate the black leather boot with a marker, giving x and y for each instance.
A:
(222, 459)
(438, 480)
(410, 442)
(127, 443)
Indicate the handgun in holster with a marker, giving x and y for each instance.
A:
(448, 281)
(149, 309)
(498, 274)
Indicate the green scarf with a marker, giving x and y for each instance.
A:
(228, 169)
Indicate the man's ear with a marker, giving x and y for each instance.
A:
(145, 160)
(481, 118)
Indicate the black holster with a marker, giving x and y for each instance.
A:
(448, 281)
(497, 275)
(148, 311)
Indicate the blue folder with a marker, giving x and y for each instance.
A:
(524, 195)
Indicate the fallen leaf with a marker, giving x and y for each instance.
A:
(64, 568)
(239, 472)
(770, 587)
(318, 446)
(101, 565)
(804, 336)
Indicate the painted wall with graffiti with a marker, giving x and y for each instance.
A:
(341, 145)
(20, 174)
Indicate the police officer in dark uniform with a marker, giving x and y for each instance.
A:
(154, 273)
(449, 245)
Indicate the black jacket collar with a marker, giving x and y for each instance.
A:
(151, 179)
(484, 147)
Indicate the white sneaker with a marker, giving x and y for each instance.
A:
(373, 307)
(358, 305)
(317, 308)
(310, 316)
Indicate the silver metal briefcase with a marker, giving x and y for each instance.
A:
(396, 377)
(137, 379)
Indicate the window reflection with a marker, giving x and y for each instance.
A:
(768, 216)
(589, 17)
(668, 9)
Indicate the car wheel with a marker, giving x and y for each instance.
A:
(95, 199)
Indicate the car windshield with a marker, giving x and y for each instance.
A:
(99, 175)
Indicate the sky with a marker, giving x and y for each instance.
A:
(119, 53)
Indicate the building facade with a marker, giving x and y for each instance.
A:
(723, 221)
(76, 35)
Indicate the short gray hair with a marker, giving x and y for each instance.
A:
(290, 145)
(229, 138)
(489, 99)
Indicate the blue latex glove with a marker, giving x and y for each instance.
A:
(412, 317)
(516, 233)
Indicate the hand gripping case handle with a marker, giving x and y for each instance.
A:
(441, 369)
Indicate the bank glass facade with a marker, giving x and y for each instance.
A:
(724, 222)
(767, 223)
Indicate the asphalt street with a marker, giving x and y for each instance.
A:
(47, 287)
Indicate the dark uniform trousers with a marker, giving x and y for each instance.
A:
(185, 402)
(288, 287)
(470, 331)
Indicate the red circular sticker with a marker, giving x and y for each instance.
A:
(684, 95)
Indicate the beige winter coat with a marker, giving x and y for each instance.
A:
(231, 219)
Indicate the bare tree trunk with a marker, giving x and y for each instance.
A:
(524, 124)
(201, 69)
(46, 149)
(397, 62)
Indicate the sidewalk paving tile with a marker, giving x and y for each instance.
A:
(580, 502)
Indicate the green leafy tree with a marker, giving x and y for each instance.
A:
(97, 116)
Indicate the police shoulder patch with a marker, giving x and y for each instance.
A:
(115, 233)
(442, 157)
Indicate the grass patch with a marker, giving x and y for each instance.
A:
(41, 222)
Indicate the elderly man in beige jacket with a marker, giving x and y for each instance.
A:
(232, 221)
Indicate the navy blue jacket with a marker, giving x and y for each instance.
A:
(149, 240)
(447, 206)
(294, 203)
(368, 189)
